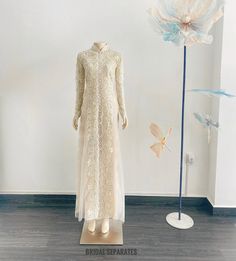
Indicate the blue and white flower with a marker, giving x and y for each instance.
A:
(186, 22)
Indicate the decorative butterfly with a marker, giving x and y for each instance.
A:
(161, 144)
(213, 92)
(207, 123)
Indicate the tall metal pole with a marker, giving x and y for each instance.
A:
(179, 219)
(182, 135)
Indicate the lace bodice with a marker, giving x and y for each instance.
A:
(103, 62)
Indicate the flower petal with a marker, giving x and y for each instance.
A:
(186, 22)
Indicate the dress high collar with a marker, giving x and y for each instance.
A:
(96, 48)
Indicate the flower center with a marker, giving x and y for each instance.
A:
(186, 22)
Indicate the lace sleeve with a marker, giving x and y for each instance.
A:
(119, 87)
(80, 83)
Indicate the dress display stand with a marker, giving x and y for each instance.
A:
(113, 237)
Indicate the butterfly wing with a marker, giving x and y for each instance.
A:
(201, 119)
(213, 92)
(166, 137)
(157, 148)
(168, 133)
(156, 131)
(214, 123)
(202, 91)
(221, 92)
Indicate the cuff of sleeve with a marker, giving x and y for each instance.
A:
(77, 114)
(123, 115)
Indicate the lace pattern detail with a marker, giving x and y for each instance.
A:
(99, 99)
(80, 85)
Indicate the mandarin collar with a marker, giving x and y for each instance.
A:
(97, 49)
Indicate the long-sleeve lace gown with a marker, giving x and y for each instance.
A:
(99, 102)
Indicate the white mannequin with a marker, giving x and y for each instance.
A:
(105, 222)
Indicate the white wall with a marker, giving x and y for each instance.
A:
(217, 49)
(225, 184)
(39, 42)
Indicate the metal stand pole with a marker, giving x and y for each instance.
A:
(182, 136)
(180, 220)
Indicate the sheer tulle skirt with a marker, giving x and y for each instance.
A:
(99, 177)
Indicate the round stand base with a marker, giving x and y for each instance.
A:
(185, 222)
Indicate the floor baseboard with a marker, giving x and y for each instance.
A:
(58, 200)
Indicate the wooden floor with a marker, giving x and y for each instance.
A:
(53, 234)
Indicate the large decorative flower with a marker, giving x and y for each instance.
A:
(186, 22)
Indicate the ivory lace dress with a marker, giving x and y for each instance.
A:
(99, 101)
